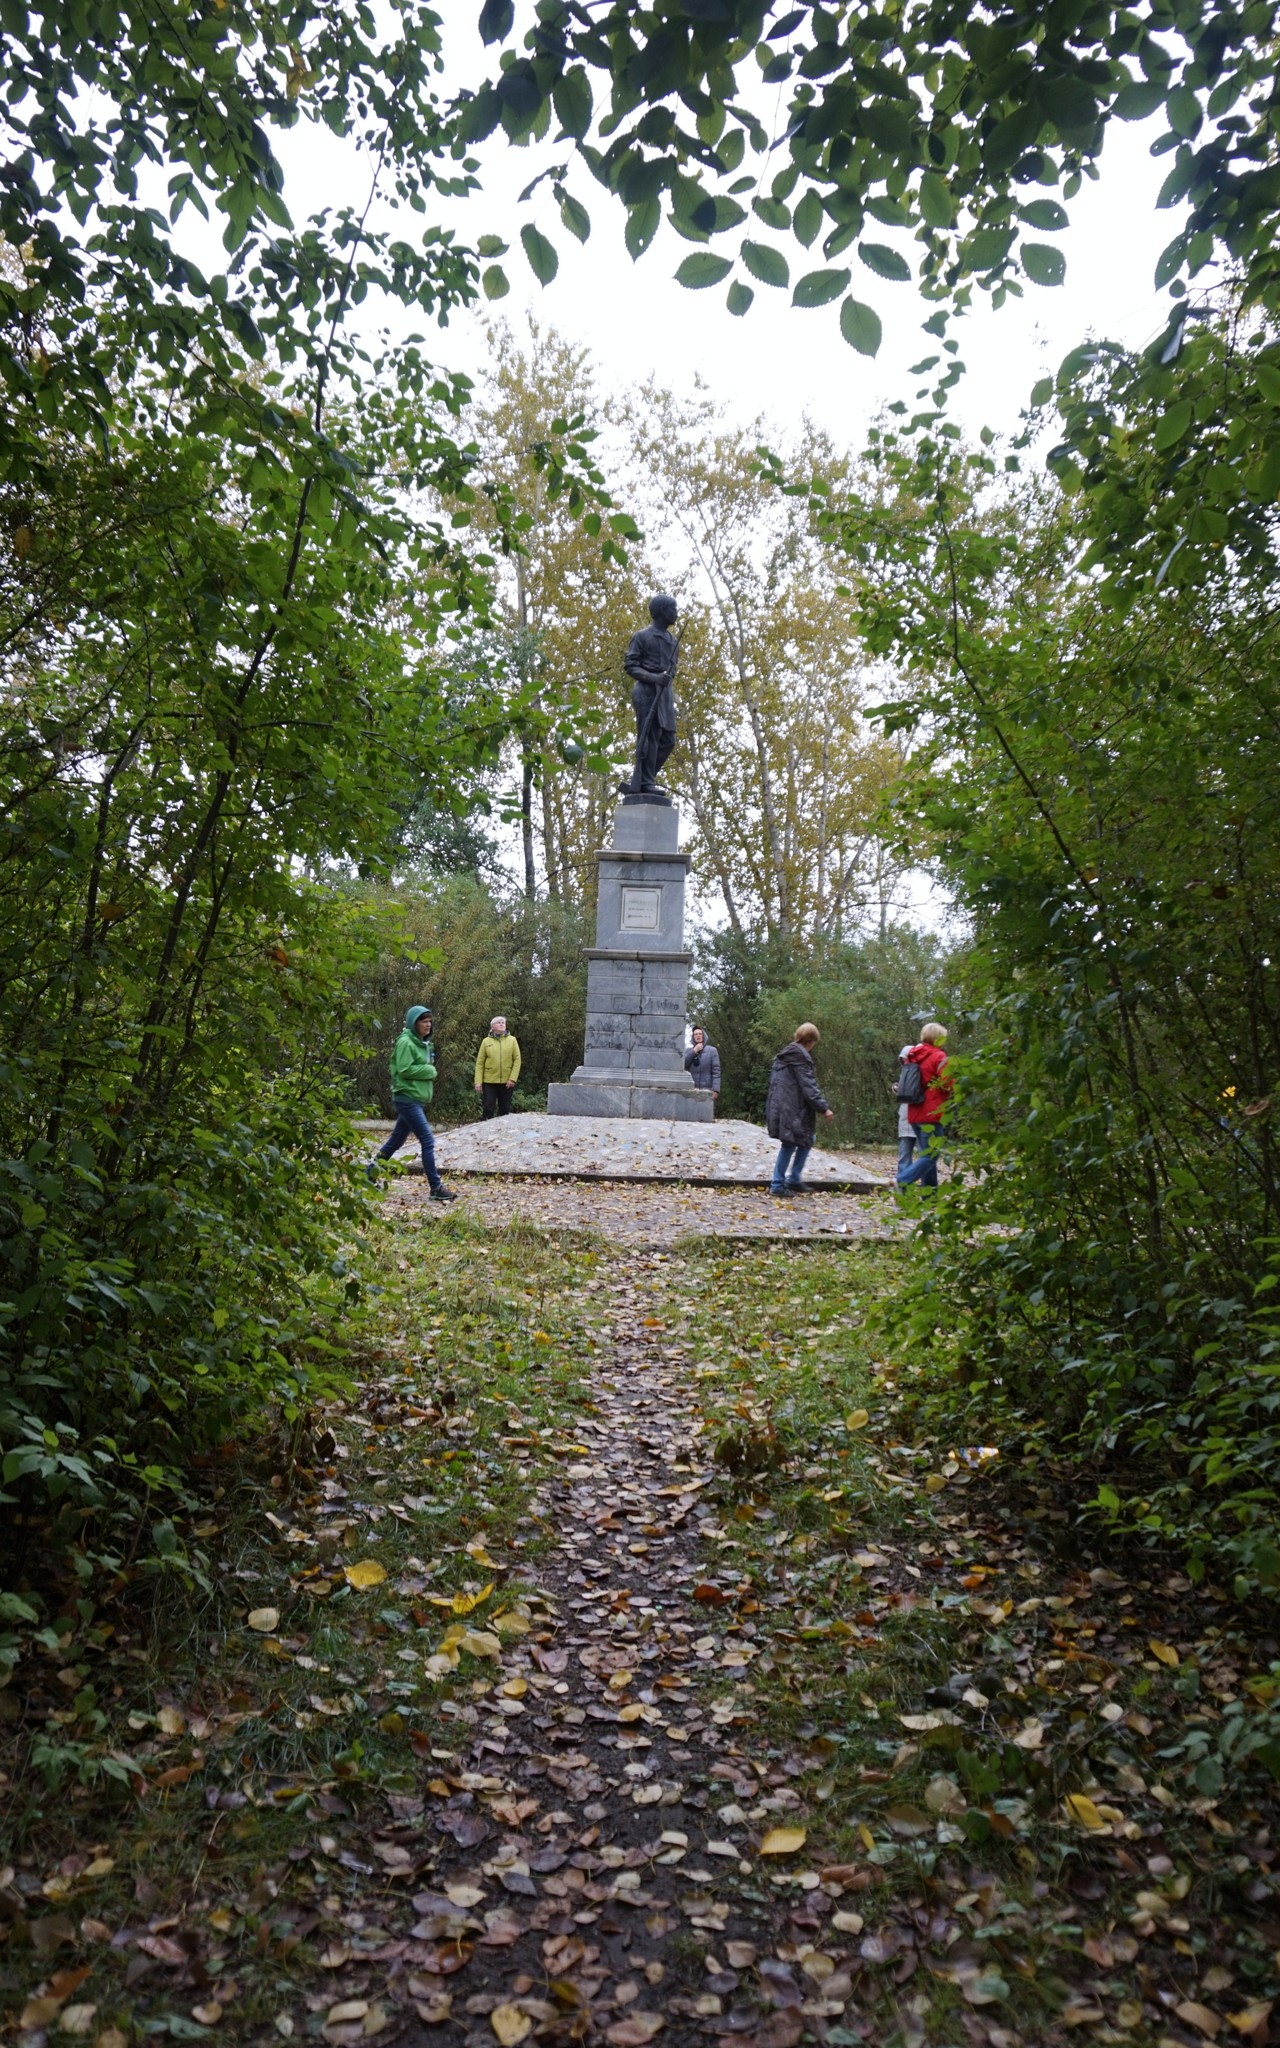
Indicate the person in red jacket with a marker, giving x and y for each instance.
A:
(926, 1117)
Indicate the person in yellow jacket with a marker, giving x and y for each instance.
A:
(497, 1069)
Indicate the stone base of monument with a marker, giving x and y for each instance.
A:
(591, 1093)
(637, 978)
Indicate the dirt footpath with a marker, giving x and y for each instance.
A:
(659, 1214)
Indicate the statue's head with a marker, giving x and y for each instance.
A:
(663, 610)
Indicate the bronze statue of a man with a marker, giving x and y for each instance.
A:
(651, 660)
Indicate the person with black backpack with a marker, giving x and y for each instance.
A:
(925, 1088)
(906, 1133)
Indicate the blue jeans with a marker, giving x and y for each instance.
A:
(906, 1149)
(793, 1157)
(924, 1174)
(411, 1122)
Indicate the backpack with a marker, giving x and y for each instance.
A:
(909, 1087)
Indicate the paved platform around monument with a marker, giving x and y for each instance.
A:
(728, 1153)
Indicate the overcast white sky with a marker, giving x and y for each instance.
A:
(778, 361)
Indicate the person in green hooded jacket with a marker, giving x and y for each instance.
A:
(413, 1079)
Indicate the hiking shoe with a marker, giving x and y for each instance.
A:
(443, 1194)
(371, 1172)
(797, 1187)
(782, 1193)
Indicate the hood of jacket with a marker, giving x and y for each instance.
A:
(412, 1014)
(795, 1055)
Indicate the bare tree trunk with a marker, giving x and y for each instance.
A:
(820, 906)
(551, 842)
(526, 758)
(526, 829)
(570, 879)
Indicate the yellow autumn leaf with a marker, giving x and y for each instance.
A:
(619, 1681)
(512, 1621)
(1081, 1809)
(1251, 2018)
(515, 1688)
(510, 2025)
(935, 1482)
(367, 1573)
(782, 1842)
(480, 1643)
(1166, 1653)
(465, 1603)
(264, 1619)
(171, 1721)
(858, 1420)
(865, 1835)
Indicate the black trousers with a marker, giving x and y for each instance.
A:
(653, 744)
(495, 1099)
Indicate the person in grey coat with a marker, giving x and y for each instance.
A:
(702, 1061)
(794, 1105)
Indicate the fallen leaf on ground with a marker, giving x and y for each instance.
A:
(1252, 2019)
(633, 2032)
(368, 1572)
(264, 1619)
(480, 1643)
(783, 1841)
(1081, 1809)
(510, 2024)
(466, 1603)
(433, 2011)
(1198, 2016)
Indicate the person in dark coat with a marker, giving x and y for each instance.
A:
(702, 1061)
(793, 1108)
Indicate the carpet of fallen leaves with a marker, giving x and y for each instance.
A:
(617, 1670)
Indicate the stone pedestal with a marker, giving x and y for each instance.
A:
(637, 978)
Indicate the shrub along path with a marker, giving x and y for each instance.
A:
(621, 1668)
